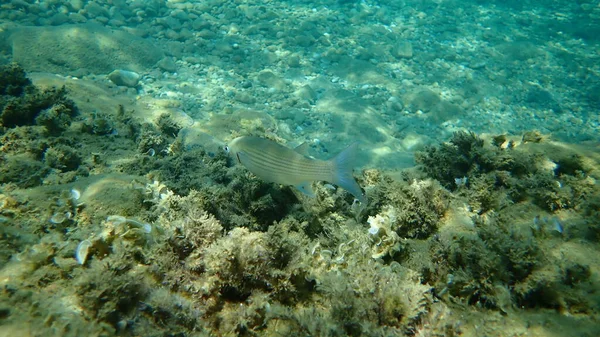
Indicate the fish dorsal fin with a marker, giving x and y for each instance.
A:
(306, 188)
(303, 149)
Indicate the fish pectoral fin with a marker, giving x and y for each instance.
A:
(306, 188)
(242, 158)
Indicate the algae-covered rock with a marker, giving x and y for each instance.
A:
(106, 195)
(13, 80)
(23, 110)
(412, 209)
(22, 170)
(463, 156)
(475, 266)
(56, 119)
(23, 104)
(493, 177)
(62, 157)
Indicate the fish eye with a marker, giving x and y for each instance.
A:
(226, 149)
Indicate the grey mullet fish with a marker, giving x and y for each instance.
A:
(276, 163)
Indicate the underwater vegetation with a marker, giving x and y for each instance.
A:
(21, 103)
(499, 174)
(176, 241)
(28, 115)
(499, 264)
(44, 137)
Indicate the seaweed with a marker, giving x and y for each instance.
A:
(492, 177)
(22, 170)
(62, 157)
(112, 293)
(418, 205)
(23, 110)
(14, 81)
(21, 103)
(476, 267)
(168, 126)
(463, 156)
(236, 198)
(466, 155)
(31, 120)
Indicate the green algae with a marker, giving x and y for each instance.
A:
(21, 103)
(308, 269)
(236, 256)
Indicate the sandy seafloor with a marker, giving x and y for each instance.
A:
(478, 132)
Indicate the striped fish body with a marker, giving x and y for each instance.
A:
(276, 163)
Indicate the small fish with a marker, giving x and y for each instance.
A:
(276, 163)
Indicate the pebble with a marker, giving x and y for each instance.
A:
(19, 3)
(167, 64)
(404, 49)
(245, 98)
(124, 78)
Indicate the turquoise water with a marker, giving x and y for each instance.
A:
(477, 127)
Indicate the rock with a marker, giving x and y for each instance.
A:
(245, 98)
(294, 61)
(404, 49)
(180, 15)
(124, 78)
(268, 79)
(167, 64)
(62, 157)
(20, 4)
(93, 10)
(77, 18)
(306, 93)
(58, 19)
(76, 5)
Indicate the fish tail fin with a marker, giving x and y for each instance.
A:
(343, 164)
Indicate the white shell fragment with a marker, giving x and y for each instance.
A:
(329, 187)
(75, 194)
(58, 218)
(82, 252)
(373, 230)
(116, 219)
